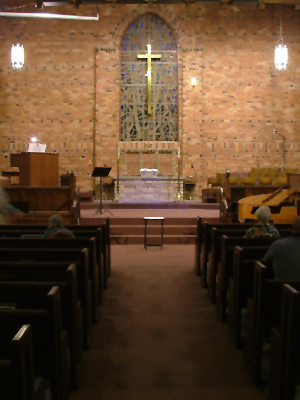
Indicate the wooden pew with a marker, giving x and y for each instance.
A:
(225, 267)
(214, 257)
(17, 289)
(104, 238)
(285, 348)
(107, 245)
(45, 201)
(71, 256)
(32, 296)
(51, 272)
(17, 380)
(199, 239)
(206, 242)
(99, 232)
(215, 253)
(49, 341)
(263, 313)
(65, 243)
(198, 246)
(240, 287)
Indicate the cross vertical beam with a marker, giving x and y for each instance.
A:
(148, 56)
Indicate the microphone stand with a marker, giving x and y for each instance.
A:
(283, 145)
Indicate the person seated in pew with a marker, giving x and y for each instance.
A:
(283, 255)
(56, 228)
(262, 228)
(6, 209)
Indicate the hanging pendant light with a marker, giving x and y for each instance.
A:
(17, 56)
(281, 51)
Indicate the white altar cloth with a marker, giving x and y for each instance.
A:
(148, 172)
(138, 189)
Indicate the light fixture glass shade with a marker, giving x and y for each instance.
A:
(193, 82)
(281, 56)
(17, 56)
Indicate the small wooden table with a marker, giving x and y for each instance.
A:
(161, 219)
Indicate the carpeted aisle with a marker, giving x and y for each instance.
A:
(158, 337)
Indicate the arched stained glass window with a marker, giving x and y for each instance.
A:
(149, 100)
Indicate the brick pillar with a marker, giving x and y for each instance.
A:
(192, 138)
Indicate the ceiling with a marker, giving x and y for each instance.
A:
(18, 5)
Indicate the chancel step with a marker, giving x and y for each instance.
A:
(131, 231)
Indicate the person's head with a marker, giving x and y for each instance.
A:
(263, 214)
(56, 221)
(296, 226)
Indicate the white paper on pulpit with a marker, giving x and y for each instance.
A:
(36, 148)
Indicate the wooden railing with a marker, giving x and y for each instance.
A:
(42, 202)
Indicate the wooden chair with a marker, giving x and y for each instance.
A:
(214, 182)
(234, 180)
(281, 180)
(220, 176)
(273, 172)
(265, 180)
(258, 171)
(290, 170)
(248, 180)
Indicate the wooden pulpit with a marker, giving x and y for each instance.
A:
(36, 169)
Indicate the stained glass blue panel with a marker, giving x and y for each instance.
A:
(136, 123)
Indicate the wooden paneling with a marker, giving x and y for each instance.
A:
(37, 169)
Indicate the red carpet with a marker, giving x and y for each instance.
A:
(127, 221)
(158, 337)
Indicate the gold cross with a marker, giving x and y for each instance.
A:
(149, 56)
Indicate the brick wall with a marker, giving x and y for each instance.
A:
(225, 122)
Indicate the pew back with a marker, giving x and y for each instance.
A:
(78, 257)
(240, 287)
(48, 345)
(24, 294)
(17, 380)
(263, 313)
(285, 348)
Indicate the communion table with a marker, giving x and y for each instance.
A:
(160, 189)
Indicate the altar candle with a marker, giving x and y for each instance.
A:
(118, 152)
(178, 152)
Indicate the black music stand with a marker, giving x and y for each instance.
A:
(101, 172)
